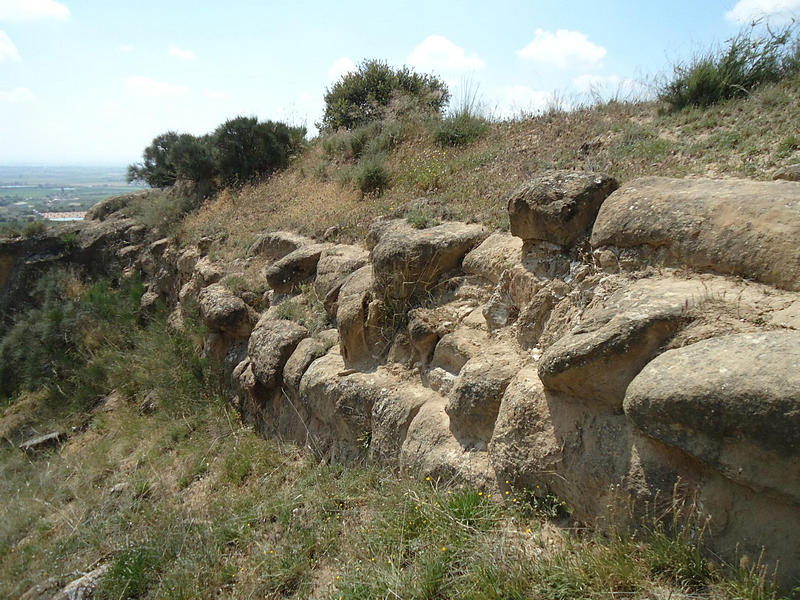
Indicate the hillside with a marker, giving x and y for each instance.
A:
(278, 394)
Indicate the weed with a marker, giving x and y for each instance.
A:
(749, 60)
(33, 228)
(371, 175)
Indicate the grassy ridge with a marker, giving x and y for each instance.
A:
(744, 137)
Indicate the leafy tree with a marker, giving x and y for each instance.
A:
(245, 149)
(361, 96)
(157, 168)
(239, 150)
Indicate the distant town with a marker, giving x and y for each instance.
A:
(56, 193)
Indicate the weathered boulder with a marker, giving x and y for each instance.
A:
(339, 404)
(431, 449)
(535, 314)
(277, 244)
(307, 351)
(406, 261)
(271, 344)
(789, 173)
(739, 227)
(295, 268)
(224, 312)
(559, 206)
(617, 337)
(392, 414)
(474, 401)
(422, 334)
(335, 264)
(456, 348)
(110, 205)
(207, 271)
(732, 402)
(187, 260)
(497, 253)
(358, 318)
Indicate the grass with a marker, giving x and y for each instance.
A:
(738, 138)
(207, 508)
(751, 59)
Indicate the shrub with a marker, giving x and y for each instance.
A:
(245, 149)
(460, 129)
(361, 96)
(371, 174)
(33, 228)
(238, 151)
(748, 61)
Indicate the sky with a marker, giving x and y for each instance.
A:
(94, 81)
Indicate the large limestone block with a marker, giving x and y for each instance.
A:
(392, 415)
(224, 312)
(277, 244)
(498, 253)
(271, 344)
(733, 402)
(358, 319)
(307, 351)
(740, 227)
(407, 261)
(618, 336)
(335, 264)
(431, 449)
(474, 401)
(339, 404)
(559, 206)
(294, 268)
(456, 348)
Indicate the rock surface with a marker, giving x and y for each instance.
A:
(738, 227)
(295, 268)
(559, 206)
(733, 402)
(407, 261)
(271, 344)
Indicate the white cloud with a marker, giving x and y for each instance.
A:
(127, 48)
(516, 99)
(8, 51)
(562, 49)
(31, 10)
(215, 94)
(17, 95)
(340, 67)
(145, 86)
(180, 53)
(747, 11)
(437, 53)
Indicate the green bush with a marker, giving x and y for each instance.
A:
(363, 95)
(239, 150)
(748, 61)
(33, 228)
(460, 129)
(371, 175)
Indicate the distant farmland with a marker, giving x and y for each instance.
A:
(24, 190)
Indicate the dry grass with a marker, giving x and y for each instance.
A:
(740, 138)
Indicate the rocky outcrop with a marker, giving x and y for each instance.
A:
(559, 206)
(732, 402)
(299, 266)
(270, 346)
(605, 375)
(737, 227)
(407, 261)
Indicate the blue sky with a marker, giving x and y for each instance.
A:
(92, 82)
